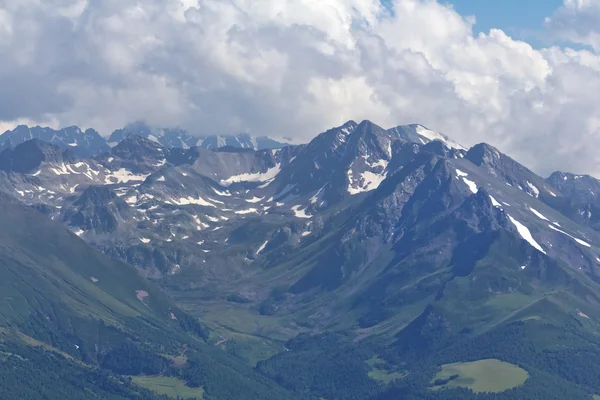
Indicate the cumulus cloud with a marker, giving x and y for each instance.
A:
(577, 21)
(295, 68)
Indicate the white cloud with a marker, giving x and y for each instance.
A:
(295, 68)
(577, 21)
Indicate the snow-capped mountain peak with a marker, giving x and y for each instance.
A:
(420, 134)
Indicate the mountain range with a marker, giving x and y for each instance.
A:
(90, 143)
(363, 265)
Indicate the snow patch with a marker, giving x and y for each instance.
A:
(368, 180)
(538, 214)
(222, 194)
(535, 190)
(581, 242)
(461, 173)
(255, 199)
(582, 315)
(248, 211)
(184, 201)
(472, 186)
(154, 139)
(318, 197)
(145, 240)
(131, 199)
(300, 213)
(262, 247)
(495, 202)
(123, 176)
(526, 234)
(60, 170)
(267, 183)
(199, 223)
(214, 201)
(256, 177)
(432, 135)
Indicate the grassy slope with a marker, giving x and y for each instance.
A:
(168, 386)
(482, 376)
(380, 373)
(44, 265)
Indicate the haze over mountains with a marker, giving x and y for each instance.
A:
(90, 143)
(351, 267)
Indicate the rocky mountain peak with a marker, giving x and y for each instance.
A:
(479, 212)
(28, 156)
(83, 144)
(484, 154)
(138, 148)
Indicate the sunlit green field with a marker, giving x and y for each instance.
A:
(169, 386)
(481, 376)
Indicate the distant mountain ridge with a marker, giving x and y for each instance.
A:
(86, 143)
(90, 143)
(180, 138)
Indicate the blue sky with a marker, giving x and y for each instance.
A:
(521, 19)
(518, 18)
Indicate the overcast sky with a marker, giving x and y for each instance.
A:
(294, 68)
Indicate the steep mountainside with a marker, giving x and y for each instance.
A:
(578, 199)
